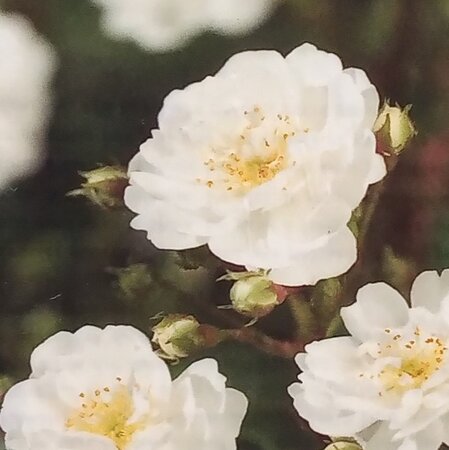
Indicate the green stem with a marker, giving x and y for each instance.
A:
(247, 335)
(372, 201)
(252, 336)
(304, 317)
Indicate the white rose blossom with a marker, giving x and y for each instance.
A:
(26, 66)
(105, 389)
(264, 162)
(387, 385)
(161, 25)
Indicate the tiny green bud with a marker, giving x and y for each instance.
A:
(395, 126)
(134, 281)
(178, 336)
(254, 296)
(235, 276)
(342, 445)
(103, 186)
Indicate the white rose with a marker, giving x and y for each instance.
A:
(264, 162)
(387, 385)
(161, 25)
(107, 390)
(26, 66)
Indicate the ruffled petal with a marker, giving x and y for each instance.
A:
(378, 307)
(430, 289)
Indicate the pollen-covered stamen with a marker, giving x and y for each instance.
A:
(253, 156)
(420, 355)
(107, 412)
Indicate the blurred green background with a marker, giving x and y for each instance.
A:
(61, 257)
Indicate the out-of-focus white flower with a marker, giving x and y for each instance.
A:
(387, 385)
(161, 25)
(26, 66)
(264, 162)
(107, 390)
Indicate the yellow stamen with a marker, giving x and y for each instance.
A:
(420, 359)
(108, 417)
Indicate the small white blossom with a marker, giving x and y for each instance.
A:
(26, 66)
(105, 389)
(387, 385)
(264, 162)
(161, 25)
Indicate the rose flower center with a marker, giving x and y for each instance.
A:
(255, 156)
(107, 413)
(420, 357)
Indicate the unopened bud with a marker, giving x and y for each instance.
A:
(254, 296)
(395, 127)
(103, 186)
(343, 445)
(178, 336)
